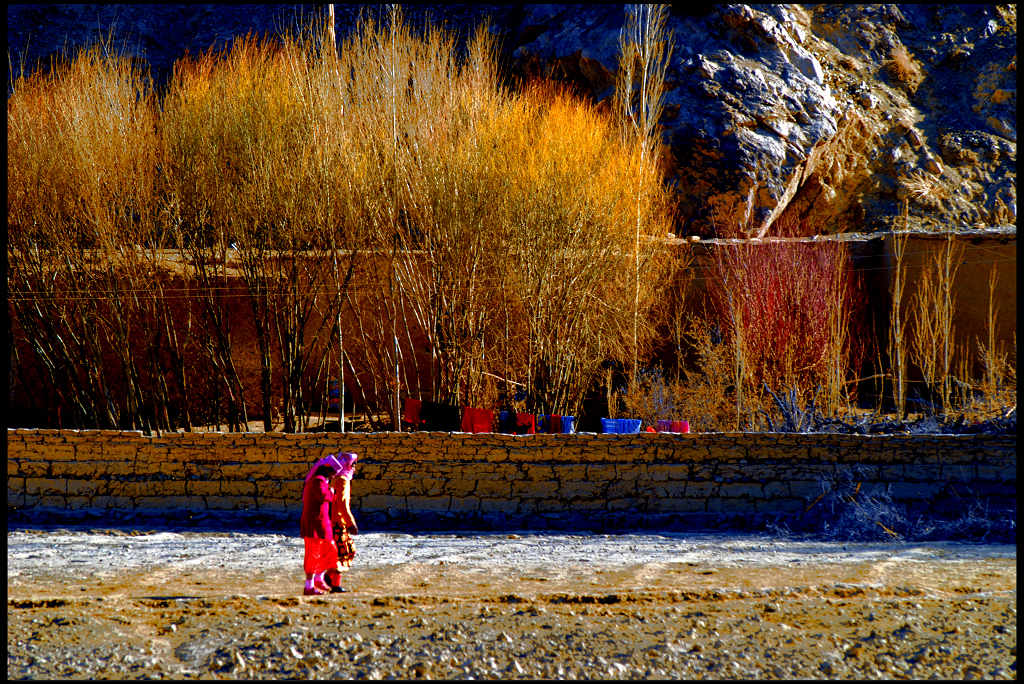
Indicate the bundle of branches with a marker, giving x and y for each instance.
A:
(844, 511)
(806, 418)
(849, 510)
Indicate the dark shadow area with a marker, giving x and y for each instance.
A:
(847, 512)
(841, 513)
(135, 523)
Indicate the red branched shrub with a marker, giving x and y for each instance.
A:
(788, 306)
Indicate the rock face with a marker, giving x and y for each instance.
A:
(830, 116)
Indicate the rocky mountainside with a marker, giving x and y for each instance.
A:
(828, 114)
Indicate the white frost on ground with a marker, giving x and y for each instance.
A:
(100, 554)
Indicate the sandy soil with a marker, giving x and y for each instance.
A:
(124, 603)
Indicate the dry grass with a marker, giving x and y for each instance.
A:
(897, 338)
(933, 337)
(904, 69)
(924, 188)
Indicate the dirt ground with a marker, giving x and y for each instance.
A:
(123, 603)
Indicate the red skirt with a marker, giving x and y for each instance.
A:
(321, 555)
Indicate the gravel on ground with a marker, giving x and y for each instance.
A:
(137, 603)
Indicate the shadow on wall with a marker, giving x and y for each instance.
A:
(847, 510)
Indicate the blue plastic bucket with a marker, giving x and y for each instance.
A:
(568, 424)
(629, 425)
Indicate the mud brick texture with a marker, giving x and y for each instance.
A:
(505, 479)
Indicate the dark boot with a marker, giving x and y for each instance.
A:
(333, 578)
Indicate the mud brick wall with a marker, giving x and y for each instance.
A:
(465, 476)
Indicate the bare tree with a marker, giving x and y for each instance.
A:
(84, 281)
(645, 45)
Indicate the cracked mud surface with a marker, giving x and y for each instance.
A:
(135, 603)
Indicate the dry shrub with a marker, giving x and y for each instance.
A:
(904, 69)
(999, 380)
(932, 340)
(82, 152)
(924, 188)
(572, 238)
(705, 396)
(994, 393)
(645, 49)
(898, 323)
(258, 157)
(652, 397)
(668, 315)
(502, 215)
(504, 226)
(849, 63)
(973, 378)
(788, 309)
(507, 216)
(1000, 214)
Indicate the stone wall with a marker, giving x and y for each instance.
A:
(495, 478)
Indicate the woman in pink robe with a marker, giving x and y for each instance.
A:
(315, 524)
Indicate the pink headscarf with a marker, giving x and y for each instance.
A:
(343, 465)
(329, 461)
(347, 464)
